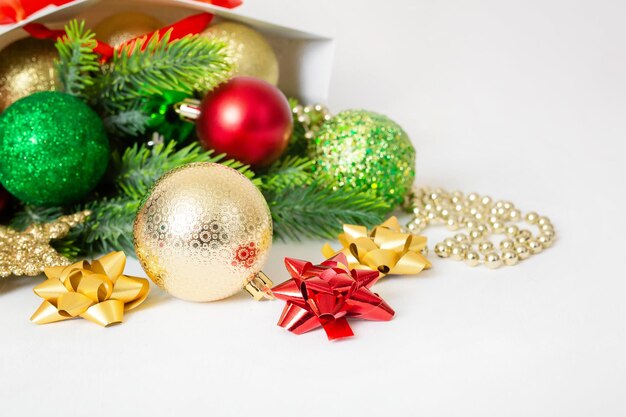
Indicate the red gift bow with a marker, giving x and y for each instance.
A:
(13, 11)
(327, 295)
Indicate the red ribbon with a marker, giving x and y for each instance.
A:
(227, 4)
(327, 295)
(191, 25)
(13, 11)
(39, 31)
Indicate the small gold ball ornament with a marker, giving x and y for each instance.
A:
(472, 258)
(26, 67)
(485, 247)
(203, 232)
(492, 260)
(457, 253)
(122, 27)
(545, 240)
(534, 246)
(522, 251)
(442, 250)
(249, 51)
(509, 257)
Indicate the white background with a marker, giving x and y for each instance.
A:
(521, 100)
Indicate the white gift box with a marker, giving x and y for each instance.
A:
(305, 58)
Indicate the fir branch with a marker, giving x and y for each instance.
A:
(317, 210)
(34, 214)
(77, 59)
(140, 166)
(68, 247)
(109, 228)
(294, 171)
(131, 122)
(150, 66)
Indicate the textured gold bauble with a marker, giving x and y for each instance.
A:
(122, 27)
(249, 51)
(26, 67)
(203, 232)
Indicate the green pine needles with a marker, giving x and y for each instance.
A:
(148, 67)
(139, 167)
(317, 210)
(77, 60)
(137, 73)
(291, 171)
(156, 73)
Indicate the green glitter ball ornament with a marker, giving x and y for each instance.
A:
(53, 149)
(362, 149)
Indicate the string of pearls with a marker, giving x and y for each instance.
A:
(311, 117)
(481, 217)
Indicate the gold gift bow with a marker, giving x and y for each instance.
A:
(386, 249)
(97, 292)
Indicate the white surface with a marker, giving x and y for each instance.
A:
(523, 100)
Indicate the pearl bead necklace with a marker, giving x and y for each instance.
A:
(482, 217)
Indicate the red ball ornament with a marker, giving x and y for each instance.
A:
(246, 118)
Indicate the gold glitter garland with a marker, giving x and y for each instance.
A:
(481, 217)
(29, 252)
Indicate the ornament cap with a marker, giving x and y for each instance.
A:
(260, 286)
(188, 109)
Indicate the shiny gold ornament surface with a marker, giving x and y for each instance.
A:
(29, 252)
(249, 51)
(26, 67)
(482, 217)
(122, 27)
(204, 232)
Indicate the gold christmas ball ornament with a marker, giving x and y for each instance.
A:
(204, 232)
(249, 51)
(26, 67)
(122, 27)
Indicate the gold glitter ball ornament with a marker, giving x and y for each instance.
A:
(203, 232)
(249, 52)
(29, 252)
(122, 27)
(26, 67)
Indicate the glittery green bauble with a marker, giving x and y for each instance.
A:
(53, 149)
(361, 149)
